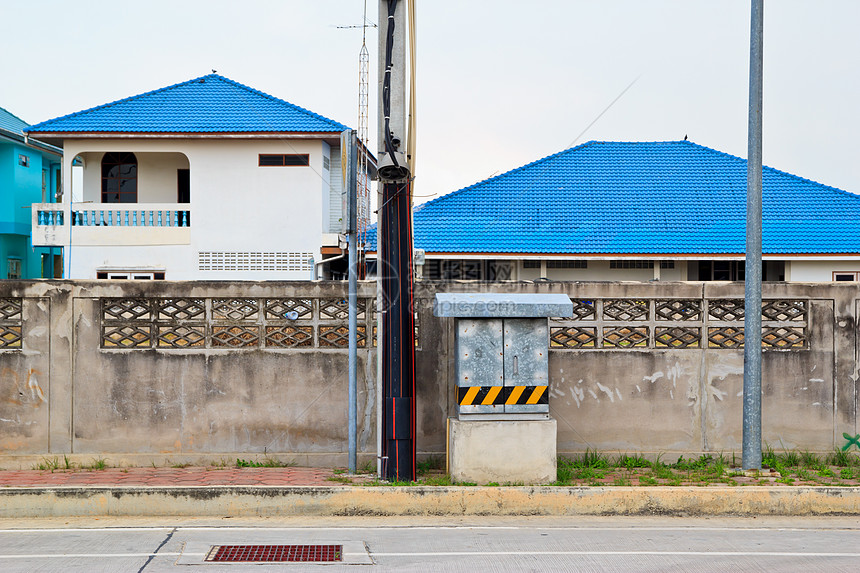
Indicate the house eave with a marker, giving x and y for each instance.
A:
(642, 256)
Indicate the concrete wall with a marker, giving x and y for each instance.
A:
(676, 400)
(64, 389)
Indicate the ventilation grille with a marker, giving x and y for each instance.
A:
(214, 261)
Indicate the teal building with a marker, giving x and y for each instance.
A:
(29, 173)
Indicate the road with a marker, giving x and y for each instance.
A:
(660, 544)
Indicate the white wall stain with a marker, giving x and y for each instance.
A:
(653, 378)
(638, 389)
(578, 395)
(674, 374)
(606, 390)
(717, 393)
(593, 395)
(618, 394)
(739, 394)
(671, 394)
(816, 379)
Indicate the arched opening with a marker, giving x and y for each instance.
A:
(119, 178)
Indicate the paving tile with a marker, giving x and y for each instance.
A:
(190, 476)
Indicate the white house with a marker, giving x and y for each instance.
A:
(205, 179)
(636, 211)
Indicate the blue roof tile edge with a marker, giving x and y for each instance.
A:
(41, 126)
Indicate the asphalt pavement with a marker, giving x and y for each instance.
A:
(659, 544)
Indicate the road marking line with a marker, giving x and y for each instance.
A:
(88, 555)
(120, 529)
(79, 529)
(671, 553)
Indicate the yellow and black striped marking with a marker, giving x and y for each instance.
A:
(502, 395)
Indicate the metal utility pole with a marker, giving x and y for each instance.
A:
(752, 286)
(349, 165)
(394, 251)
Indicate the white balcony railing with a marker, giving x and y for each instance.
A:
(110, 224)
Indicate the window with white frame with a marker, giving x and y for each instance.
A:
(846, 276)
(131, 275)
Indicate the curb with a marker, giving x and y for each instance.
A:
(249, 501)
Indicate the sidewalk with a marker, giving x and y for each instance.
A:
(295, 491)
(177, 477)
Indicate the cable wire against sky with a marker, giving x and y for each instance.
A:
(618, 97)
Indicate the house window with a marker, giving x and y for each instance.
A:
(627, 264)
(119, 178)
(292, 160)
(468, 270)
(13, 268)
(530, 264)
(130, 275)
(846, 276)
(722, 270)
(326, 163)
(567, 264)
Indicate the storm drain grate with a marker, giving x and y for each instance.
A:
(274, 553)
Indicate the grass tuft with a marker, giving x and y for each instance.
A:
(266, 462)
(97, 464)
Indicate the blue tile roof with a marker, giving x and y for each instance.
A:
(10, 122)
(673, 197)
(208, 104)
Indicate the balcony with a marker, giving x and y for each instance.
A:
(114, 224)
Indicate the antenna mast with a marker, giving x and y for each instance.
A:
(363, 202)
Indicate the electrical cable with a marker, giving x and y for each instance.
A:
(386, 82)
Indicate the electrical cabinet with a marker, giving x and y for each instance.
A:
(501, 350)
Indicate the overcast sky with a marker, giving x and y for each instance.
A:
(500, 83)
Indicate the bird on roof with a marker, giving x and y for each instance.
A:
(685, 135)
(216, 71)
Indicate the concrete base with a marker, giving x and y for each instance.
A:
(504, 452)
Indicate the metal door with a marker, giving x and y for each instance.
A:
(480, 368)
(526, 365)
